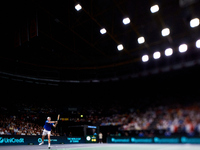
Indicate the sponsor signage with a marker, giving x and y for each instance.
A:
(75, 140)
(91, 139)
(46, 140)
(166, 140)
(10, 140)
(191, 140)
(35, 140)
(141, 140)
(120, 140)
(158, 140)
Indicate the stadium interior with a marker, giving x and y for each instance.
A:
(124, 68)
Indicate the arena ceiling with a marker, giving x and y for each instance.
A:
(52, 41)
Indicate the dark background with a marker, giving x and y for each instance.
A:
(180, 85)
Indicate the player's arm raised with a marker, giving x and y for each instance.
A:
(55, 125)
(52, 121)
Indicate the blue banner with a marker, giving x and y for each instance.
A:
(35, 140)
(158, 140)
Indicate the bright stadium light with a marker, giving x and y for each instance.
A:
(165, 32)
(103, 31)
(168, 52)
(126, 21)
(156, 55)
(141, 40)
(120, 47)
(194, 22)
(78, 7)
(154, 9)
(198, 43)
(183, 48)
(145, 58)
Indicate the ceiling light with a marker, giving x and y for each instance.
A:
(145, 58)
(165, 32)
(156, 55)
(154, 9)
(126, 21)
(194, 22)
(141, 40)
(183, 48)
(103, 31)
(168, 52)
(198, 43)
(120, 47)
(78, 7)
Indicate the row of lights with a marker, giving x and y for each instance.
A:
(169, 51)
(165, 32)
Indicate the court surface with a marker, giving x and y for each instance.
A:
(104, 147)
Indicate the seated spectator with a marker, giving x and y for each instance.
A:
(141, 134)
(15, 130)
(33, 133)
(8, 133)
(23, 133)
(57, 134)
(1, 131)
(167, 133)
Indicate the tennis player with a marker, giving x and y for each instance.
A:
(47, 130)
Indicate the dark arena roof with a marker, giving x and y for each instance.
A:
(121, 66)
(50, 42)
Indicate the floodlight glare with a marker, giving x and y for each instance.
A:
(78, 7)
(165, 32)
(126, 21)
(168, 52)
(103, 31)
(194, 22)
(198, 43)
(183, 48)
(154, 9)
(145, 58)
(120, 47)
(156, 55)
(141, 40)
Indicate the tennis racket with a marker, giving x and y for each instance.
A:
(58, 117)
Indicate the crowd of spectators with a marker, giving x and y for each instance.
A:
(23, 119)
(173, 119)
(20, 126)
(29, 119)
(179, 119)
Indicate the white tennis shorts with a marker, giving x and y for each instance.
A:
(45, 132)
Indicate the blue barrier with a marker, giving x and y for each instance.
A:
(34, 140)
(158, 140)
